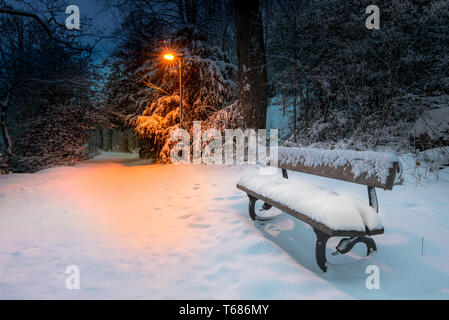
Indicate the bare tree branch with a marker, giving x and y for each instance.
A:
(42, 23)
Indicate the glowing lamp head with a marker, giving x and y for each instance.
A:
(169, 57)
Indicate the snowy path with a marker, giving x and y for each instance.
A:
(152, 231)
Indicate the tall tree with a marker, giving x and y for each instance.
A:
(46, 120)
(143, 89)
(252, 72)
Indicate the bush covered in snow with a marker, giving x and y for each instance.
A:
(432, 128)
(56, 137)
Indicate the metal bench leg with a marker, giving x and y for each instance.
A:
(347, 244)
(252, 204)
(372, 196)
(252, 211)
(266, 206)
(320, 248)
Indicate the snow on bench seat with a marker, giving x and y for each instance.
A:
(335, 211)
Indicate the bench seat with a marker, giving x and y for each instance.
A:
(326, 210)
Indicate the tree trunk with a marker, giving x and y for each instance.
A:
(252, 72)
(305, 108)
(4, 129)
(294, 113)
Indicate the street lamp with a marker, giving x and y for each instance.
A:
(170, 57)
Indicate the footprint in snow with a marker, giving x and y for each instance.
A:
(410, 205)
(198, 226)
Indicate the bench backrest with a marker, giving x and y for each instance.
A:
(374, 169)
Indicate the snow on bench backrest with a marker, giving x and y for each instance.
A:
(376, 169)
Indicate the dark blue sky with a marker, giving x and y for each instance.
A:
(103, 18)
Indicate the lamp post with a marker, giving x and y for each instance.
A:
(171, 57)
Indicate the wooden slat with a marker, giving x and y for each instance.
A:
(345, 174)
(308, 220)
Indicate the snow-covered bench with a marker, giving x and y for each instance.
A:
(329, 213)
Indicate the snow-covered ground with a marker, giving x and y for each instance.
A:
(163, 231)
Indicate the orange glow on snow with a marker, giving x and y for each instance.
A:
(137, 205)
